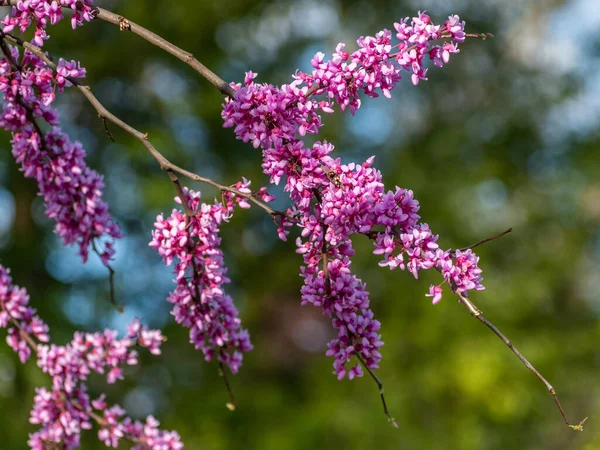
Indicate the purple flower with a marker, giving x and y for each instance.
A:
(64, 410)
(436, 293)
(42, 12)
(333, 201)
(72, 192)
(199, 301)
(20, 319)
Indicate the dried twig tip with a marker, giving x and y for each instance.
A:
(482, 36)
(578, 427)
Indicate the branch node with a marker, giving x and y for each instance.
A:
(124, 24)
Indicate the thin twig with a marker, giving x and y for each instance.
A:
(111, 280)
(380, 387)
(106, 130)
(482, 36)
(179, 189)
(324, 257)
(483, 241)
(475, 312)
(30, 342)
(231, 406)
(190, 242)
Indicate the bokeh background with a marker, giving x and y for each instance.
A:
(505, 136)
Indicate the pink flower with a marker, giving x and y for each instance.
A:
(42, 12)
(72, 192)
(199, 301)
(333, 201)
(436, 293)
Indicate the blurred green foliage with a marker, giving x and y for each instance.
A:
(505, 136)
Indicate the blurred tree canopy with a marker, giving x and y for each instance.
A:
(505, 136)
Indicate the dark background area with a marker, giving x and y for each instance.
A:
(505, 136)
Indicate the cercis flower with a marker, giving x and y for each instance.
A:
(436, 293)
(72, 192)
(148, 435)
(330, 285)
(42, 12)
(112, 430)
(455, 28)
(463, 272)
(416, 43)
(65, 410)
(378, 64)
(66, 70)
(349, 198)
(64, 418)
(60, 419)
(20, 318)
(116, 426)
(199, 301)
(333, 201)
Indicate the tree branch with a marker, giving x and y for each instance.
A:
(196, 273)
(105, 115)
(127, 25)
(31, 118)
(475, 312)
(187, 57)
(483, 241)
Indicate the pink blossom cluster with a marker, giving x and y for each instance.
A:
(18, 317)
(42, 12)
(330, 285)
(199, 301)
(72, 191)
(65, 409)
(333, 201)
(378, 64)
(266, 115)
(145, 435)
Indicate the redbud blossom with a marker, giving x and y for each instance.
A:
(199, 301)
(65, 409)
(333, 201)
